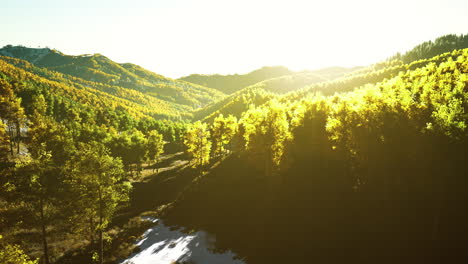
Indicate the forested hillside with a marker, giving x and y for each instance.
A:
(258, 93)
(339, 165)
(300, 85)
(363, 176)
(274, 79)
(430, 48)
(231, 83)
(99, 69)
(69, 148)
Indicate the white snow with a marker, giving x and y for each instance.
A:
(161, 245)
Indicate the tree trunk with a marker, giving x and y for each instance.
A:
(18, 137)
(157, 164)
(200, 155)
(10, 134)
(101, 244)
(91, 231)
(44, 234)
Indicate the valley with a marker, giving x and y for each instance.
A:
(106, 162)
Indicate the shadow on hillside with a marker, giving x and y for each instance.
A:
(159, 188)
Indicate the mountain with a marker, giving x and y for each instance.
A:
(265, 90)
(100, 69)
(33, 80)
(232, 83)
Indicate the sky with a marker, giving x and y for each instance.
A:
(180, 37)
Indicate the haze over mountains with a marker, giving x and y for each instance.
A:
(231, 83)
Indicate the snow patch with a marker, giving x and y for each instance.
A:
(161, 245)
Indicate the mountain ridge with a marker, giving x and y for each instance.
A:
(99, 68)
(232, 83)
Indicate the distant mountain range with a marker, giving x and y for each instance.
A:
(98, 68)
(231, 83)
(155, 95)
(200, 96)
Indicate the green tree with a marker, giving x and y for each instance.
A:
(37, 185)
(44, 131)
(11, 113)
(138, 149)
(13, 254)
(198, 144)
(155, 146)
(223, 131)
(131, 147)
(266, 131)
(4, 143)
(97, 185)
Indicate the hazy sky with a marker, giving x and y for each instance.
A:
(179, 37)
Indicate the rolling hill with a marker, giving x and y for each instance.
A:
(100, 69)
(279, 75)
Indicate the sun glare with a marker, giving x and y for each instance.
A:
(177, 38)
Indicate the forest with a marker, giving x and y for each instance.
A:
(342, 165)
